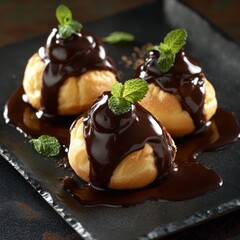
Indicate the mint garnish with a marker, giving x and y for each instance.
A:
(47, 146)
(67, 26)
(123, 95)
(172, 44)
(116, 37)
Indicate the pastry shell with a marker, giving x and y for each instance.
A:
(75, 95)
(168, 110)
(136, 170)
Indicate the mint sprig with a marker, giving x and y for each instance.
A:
(117, 37)
(172, 44)
(123, 95)
(67, 26)
(46, 145)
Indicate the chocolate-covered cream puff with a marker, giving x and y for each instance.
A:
(67, 75)
(180, 97)
(119, 151)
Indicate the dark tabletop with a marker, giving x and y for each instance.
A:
(23, 213)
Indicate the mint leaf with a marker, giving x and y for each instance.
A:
(67, 26)
(75, 25)
(116, 37)
(47, 146)
(166, 61)
(172, 44)
(164, 48)
(135, 90)
(117, 89)
(118, 105)
(123, 95)
(153, 48)
(63, 14)
(175, 40)
(66, 30)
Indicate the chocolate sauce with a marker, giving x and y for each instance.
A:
(110, 138)
(25, 117)
(185, 80)
(69, 57)
(187, 179)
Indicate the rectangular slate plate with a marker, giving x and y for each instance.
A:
(220, 59)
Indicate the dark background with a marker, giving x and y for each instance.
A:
(24, 19)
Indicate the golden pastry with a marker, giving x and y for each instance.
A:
(168, 109)
(125, 151)
(181, 97)
(67, 75)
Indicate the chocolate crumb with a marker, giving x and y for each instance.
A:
(136, 58)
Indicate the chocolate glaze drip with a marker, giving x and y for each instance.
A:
(110, 138)
(69, 57)
(20, 113)
(185, 80)
(188, 179)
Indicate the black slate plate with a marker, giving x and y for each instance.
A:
(220, 59)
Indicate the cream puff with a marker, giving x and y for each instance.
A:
(67, 75)
(182, 99)
(125, 151)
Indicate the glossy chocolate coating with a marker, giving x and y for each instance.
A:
(110, 138)
(69, 57)
(185, 80)
(187, 179)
